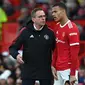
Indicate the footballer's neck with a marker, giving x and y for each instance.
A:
(64, 20)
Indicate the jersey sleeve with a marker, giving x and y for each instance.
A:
(73, 39)
(16, 44)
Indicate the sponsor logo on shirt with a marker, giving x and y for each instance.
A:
(59, 41)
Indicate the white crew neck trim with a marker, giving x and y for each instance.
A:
(36, 28)
(64, 24)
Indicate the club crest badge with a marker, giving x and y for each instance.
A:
(63, 34)
(46, 37)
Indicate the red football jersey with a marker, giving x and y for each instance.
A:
(67, 44)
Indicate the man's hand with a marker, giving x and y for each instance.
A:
(54, 72)
(19, 59)
(72, 79)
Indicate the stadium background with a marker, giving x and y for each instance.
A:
(16, 13)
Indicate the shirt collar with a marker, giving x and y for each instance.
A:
(36, 28)
(64, 24)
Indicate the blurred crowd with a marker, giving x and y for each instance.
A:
(82, 72)
(10, 71)
(19, 11)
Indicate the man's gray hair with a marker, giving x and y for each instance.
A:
(33, 13)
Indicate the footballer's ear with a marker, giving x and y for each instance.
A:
(63, 10)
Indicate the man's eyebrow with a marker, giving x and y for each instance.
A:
(41, 16)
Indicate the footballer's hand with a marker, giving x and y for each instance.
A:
(19, 59)
(54, 72)
(72, 79)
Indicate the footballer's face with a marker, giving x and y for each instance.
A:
(57, 13)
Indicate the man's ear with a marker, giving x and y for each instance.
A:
(33, 19)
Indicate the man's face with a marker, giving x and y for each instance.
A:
(40, 18)
(57, 13)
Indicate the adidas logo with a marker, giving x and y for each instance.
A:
(31, 36)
